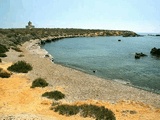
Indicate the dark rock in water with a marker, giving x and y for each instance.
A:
(119, 40)
(48, 40)
(139, 55)
(155, 52)
(42, 42)
(52, 60)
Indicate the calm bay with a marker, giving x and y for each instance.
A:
(109, 58)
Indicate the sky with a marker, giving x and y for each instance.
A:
(135, 15)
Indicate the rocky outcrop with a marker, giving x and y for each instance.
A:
(139, 55)
(155, 52)
(130, 34)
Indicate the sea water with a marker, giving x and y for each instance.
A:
(108, 58)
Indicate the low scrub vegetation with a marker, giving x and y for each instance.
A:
(0, 60)
(3, 48)
(57, 95)
(3, 55)
(67, 110)
(20, 67)
(39, 82)
(96, 112)
(4, 74)
(14, 37)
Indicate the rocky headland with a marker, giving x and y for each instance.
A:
(13, 37)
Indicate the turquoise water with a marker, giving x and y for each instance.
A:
(111, 59)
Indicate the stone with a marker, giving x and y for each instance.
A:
(139, 55)
(155, 52)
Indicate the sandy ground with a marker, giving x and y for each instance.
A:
(19, 102)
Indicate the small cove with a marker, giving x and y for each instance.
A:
(111, 59)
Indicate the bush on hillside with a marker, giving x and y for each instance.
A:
(20, 67)
(3, 55)
(97, 112)
(39, 82)
(67, 110)
(57, 95)
(4, 74)
(3, 48)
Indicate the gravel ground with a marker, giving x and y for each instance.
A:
(25, 117)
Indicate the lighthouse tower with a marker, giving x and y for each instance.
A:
(30, 26)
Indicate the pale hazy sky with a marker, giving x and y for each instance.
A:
(134, 15)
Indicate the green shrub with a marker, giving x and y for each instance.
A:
(3, 48)
(54, 95)
(67, 110)
(39, 82)
(3, 55)
(99, 113)
(4, 74)
(20, 67)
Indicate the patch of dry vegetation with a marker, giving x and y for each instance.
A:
(85, 110)
(57, 95)
(39, 82)
(20, 67)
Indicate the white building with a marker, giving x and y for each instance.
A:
(30, 26)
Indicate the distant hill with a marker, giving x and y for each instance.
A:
(13, 37)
